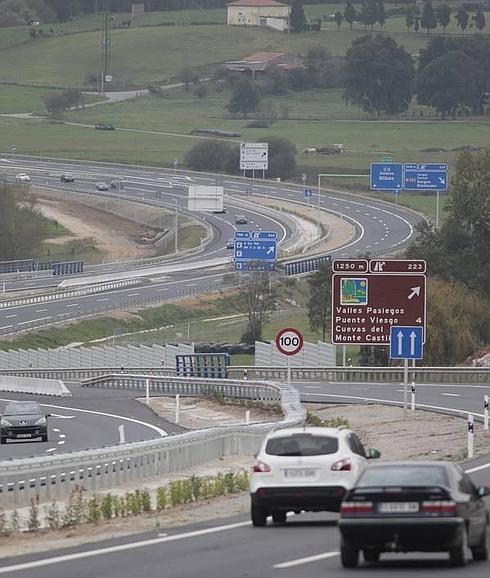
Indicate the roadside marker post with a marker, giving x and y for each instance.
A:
(485, 412)
(122, 436)
(177, 408)
(147, 392)
(247, 417)
(412, 401)
(471, 435)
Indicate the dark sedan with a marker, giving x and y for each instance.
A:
(414, 507)
(23, 420)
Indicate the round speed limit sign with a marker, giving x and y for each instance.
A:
(289, 341)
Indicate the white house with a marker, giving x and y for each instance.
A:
(265, 13)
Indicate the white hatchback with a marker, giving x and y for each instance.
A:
(305, 469)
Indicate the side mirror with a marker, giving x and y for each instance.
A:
(483, 491)
(372, 454)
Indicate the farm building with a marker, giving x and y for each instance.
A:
(265, 13)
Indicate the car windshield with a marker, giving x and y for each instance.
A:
(413, 475)
(22, 409)
(302, 445)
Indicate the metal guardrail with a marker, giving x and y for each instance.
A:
(54, 477)
(92, 289)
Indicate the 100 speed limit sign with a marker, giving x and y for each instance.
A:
(289, 341)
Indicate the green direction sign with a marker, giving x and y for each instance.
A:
(386, 159)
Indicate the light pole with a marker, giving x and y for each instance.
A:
(176, 226)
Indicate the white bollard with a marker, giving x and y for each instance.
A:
(471, 435)
(412, 397)
(247, 417)
(122, 437)
(485, 412)
(177, 408)
(147, 392)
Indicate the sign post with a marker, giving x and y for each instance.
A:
(289, 341)
(426, 177)
(254, 156)
(255, 250)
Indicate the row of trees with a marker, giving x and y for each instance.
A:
(58, 102)
(453, 75)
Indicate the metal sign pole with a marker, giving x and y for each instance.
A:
(318, 208)
(405, 386)
(289, 370)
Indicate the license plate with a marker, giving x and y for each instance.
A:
(396, 507)
(300, 473)
(23, 435)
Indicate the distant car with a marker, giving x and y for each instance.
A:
(23, 178)
(23, 419)
(426, 506)
(101, 186)
(230, 244)
(117, 184)
(104, 126)
(241, 220)
(308, 469)
(67, 177)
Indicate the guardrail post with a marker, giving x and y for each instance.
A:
(471, 435)
(485, 412)
(122, 437)
(177, 408)
(147, 392)
(247, 417)
(412, 399)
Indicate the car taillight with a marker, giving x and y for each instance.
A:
(356, 507)
(260, 467)
(438, 507)
(342, 465)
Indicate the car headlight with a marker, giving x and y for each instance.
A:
(41, 421)
(4, 421)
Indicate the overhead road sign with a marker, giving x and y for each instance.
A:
(254, 156)
(305, 265)
(368, 299)
(308, 193)
(425, 176)
(406, 342)
(289, 341)
(255, 249)
(386, 176)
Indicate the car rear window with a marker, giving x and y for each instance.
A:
(416, 475)
(22, 409)
(302, 445)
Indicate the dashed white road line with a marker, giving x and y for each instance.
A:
(451, 394)
(306, 560)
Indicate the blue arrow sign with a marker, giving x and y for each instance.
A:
(425, 176)
(406, 342)
(386, 176)
(255, 249)
(255, 235)
(308, 193)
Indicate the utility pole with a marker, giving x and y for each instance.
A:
(176, 226)
(106, 47)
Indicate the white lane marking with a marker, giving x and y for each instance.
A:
(166, 289)
(33, 320)
(451, 394)
(313, 386)
(55, 429)
(72, 305)
(159, 430)
(6, 327)
(105, 299)
(477, 468)
(119, 548)
(62, 417)
(191, 284)
(50, 450)
(62, 435)
(61, 442)
(40, 310)
(10, 316)
(307, 560)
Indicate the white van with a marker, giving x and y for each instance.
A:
(23, 178)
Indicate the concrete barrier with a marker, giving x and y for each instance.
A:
(33, 385)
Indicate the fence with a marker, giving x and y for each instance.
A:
(54, 477)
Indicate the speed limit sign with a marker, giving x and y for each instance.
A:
(289, 341)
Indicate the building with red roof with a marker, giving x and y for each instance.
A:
(263, 13)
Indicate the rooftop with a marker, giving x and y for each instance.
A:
(256, 3)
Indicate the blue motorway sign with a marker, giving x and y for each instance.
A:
(386, 176)
(255, 235)
(255, 249)
(406, 342)
(255, 265)
(425, 177)
(308, 193)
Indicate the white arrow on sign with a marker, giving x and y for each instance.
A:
(399, 336)
(270, 250)
(413, 335)
(414, 291)
(442, 181)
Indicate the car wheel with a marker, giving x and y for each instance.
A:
(480, 552)
(371, 555)
(279, 517)
(3, 440)
(458, 556)
(259, 515)
(349, 555)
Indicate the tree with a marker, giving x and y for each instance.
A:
(410, 17)
(260, 300)
(369, 13)
(381, 13)
(444, 15)
(479, 19)
(282, 157)
(416, 26)
(245, 98)
(188, 77)
(209, 155)
(449, 83)
(267, 112)
(462, 18)
(338, 19)
(297, 18)
(428, 19)
(350, 14)
(55, 103)
(320, 299)
(378, 75)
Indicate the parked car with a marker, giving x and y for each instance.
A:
(23, 178)
(117, 184)
(101, 186)
(241, 220)
(23, 419)
(404, 506)
(104, 126)
(230, 244)
(67, 177)
(307, 469)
